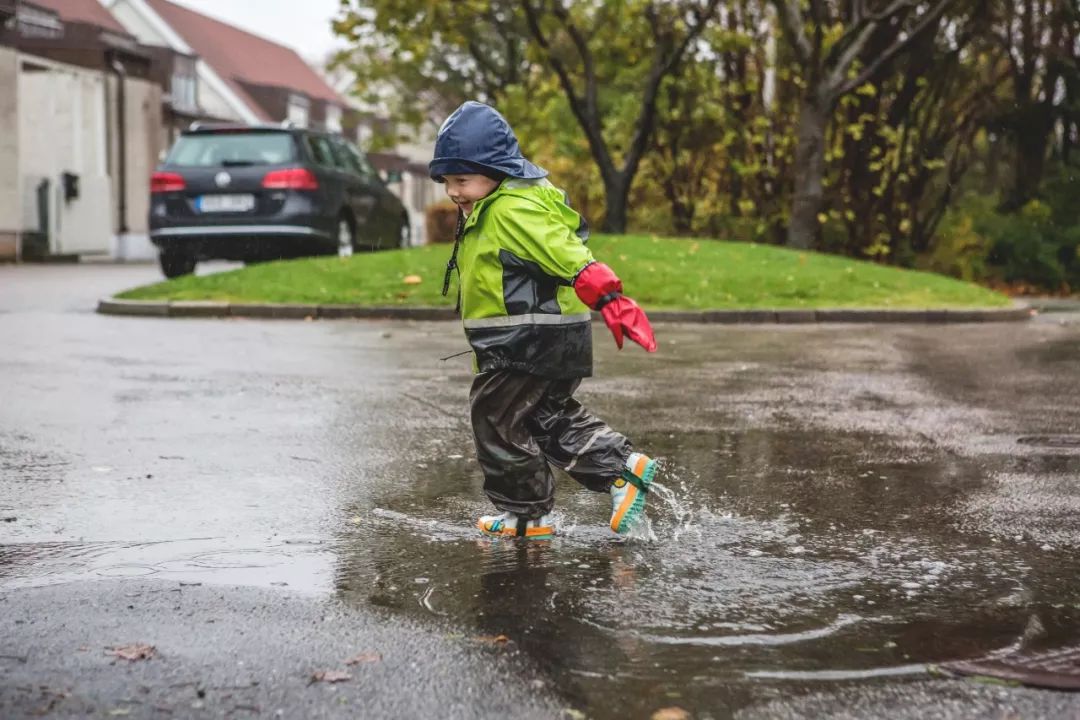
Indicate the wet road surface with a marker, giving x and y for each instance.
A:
(841, 505)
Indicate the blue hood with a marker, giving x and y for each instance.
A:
(477, 135)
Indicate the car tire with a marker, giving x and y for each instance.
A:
(405, 234)
(175, 263)
(346, 237)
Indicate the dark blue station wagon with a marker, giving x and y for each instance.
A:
(256, 193)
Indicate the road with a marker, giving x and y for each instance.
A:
(841, 507)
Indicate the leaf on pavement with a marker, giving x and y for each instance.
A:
(671, 713)
(330, 676)
(132, 652)
(371, 657)
(492, 640)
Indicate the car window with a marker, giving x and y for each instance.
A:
(232, 148)
(322, 151)
(366, 168)
(345, 158)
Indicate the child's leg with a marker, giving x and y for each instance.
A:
(592, 453)
(516, 473)
(576, 441)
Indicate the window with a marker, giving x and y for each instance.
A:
(299, 111)
(366, 168)
(346, 159)
(182, 87)
(232, 148)
(322, 151)
(333, 118)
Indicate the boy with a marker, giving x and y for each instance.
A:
(527, 282)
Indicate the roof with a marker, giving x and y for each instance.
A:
(242, 57)
(91, 12)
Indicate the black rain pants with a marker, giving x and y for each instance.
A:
(523, 422)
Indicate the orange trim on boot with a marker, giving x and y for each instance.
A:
(627, 503)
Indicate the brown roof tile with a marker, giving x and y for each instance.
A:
(239, 56)
(90, 12)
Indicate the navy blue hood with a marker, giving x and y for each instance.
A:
(477, 135)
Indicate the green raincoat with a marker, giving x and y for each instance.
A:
(521, 249)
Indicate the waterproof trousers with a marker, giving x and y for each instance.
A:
(523, 422)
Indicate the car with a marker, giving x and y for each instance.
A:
(265, 192)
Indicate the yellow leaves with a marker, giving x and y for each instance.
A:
(822, 218)
(866, 90)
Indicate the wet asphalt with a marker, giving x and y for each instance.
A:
(842, 508)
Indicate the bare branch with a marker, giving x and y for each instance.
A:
(929, 18)
(589, 121)
(794, 26)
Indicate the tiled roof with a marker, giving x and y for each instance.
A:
(91, 12)
(239, 56)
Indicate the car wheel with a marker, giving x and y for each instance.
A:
(405, 234)
(175, 263)
(346, 237)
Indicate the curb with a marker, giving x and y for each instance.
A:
(203, 309)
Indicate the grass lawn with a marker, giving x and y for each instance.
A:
(660, 273)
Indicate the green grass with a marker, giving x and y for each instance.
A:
(660, 273)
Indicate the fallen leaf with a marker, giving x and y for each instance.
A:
(364, 658)
(492, 639)
(132, 652)
(330, 676)
(412, 280)
(671, 713)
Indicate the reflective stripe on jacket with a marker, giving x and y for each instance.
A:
(521, 249)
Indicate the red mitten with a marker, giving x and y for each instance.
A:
(599, 288)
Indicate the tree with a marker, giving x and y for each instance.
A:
(576, 43)
(1039, 42)
(417, 60)
(829, 40)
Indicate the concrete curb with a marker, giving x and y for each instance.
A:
(200, 309)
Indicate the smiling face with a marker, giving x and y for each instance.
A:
(465, 190)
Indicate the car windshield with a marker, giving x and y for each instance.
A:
(233, 149)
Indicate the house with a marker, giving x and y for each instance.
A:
(80, 129)
(241, 77)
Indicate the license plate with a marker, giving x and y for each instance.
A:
(225, 203)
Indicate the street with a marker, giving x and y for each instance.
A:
(840, 507)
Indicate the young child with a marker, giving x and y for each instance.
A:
(527, 282)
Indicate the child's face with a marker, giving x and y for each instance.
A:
(465, 190)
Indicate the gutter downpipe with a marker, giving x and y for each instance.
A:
(121, 151)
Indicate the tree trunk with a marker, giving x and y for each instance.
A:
(809, 171)
(1032, 141)
(616, 199)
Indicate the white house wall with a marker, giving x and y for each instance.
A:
(62, 128)
(10, 181)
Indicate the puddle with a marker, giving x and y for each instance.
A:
(772, 563)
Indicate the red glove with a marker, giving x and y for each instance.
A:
(599, 288)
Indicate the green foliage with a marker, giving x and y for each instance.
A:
(1029, 249)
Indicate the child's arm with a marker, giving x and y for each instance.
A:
(535, 233)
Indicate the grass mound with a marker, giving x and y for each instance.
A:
(660, 273)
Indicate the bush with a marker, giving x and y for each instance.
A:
(1035, 248)
(440, 222)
